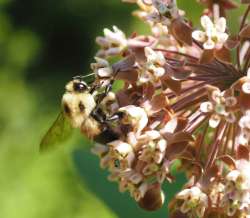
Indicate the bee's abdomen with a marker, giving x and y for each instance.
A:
(91, 128)
(106, 136)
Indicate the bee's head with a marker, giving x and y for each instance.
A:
(77, 85)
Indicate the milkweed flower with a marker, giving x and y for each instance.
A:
(154, 65)
(214, 35)
(221, 106)
(185, 98)
(194, 200)
(236, 199)
(113, 42)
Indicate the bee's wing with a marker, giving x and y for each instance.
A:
(59, 132)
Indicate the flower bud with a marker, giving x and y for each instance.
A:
(153, 198)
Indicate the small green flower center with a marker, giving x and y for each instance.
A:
(220, 109)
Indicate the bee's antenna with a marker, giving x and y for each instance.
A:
(88, 75)
(81, 77)
(77, 77)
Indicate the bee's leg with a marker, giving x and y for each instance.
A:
(103, 95)
(109, 134)
(98, 115)
(115, 117)
(109, 87)
(94, 88)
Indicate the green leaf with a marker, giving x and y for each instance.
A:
(59, 132)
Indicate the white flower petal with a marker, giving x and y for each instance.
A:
(131, 138)
(242, 139)
(199, 35)
(222, 37)
(161, 145)
(143, 189)
(102, 41)
(116, 37)
(105, 72)
(137, 117)
(195, 192)
(206, 107)
(183, 194)
(221, 25)
(149, 52)
(154, 57)
(233, 175)
(101, 62)
(113, 51)
(170, 126)
(149, 136)
(206, 22)
(122, 148)
(99, 149)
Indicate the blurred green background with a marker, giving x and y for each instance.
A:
(42, 45)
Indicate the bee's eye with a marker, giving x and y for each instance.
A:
(80, 86)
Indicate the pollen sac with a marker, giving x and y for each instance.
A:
(153, 199)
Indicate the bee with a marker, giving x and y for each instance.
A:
(78, 103)
(82, 107)
(85, 107)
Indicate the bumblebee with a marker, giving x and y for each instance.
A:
(83, 108)
(78, 103)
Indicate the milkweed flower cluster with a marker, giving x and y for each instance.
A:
(185, 97)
